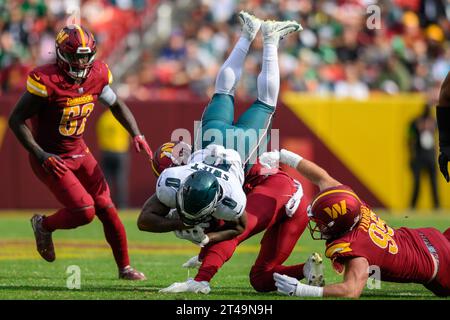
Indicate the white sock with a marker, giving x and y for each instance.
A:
(269, 78)
(231, 70)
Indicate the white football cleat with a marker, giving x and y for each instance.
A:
(188, 286)
(313, 270)
(274, 31)
(250, 25)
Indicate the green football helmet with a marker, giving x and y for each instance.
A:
(197, 197)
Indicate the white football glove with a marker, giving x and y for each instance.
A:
(188, 286)
(195, 235)
(192, 263)
(292, 287)
(270, 160)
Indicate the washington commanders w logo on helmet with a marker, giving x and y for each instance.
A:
(75, 51)
(334, 212)
(170, 154)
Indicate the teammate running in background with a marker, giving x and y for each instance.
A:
(357, 238)
(59, 99)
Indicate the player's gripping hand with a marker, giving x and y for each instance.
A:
(53, 164)
(444, 158)
(270, 160)
(194, 235)
(140, 144)
(292, 287)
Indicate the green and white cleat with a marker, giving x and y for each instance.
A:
(250, 25)
(313, 270)
(274, 31)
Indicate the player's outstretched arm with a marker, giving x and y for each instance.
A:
(355, 278)
(153, 217)
(306, 168)
(443, 120)
(123, 114)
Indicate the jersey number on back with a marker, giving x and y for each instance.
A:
(68, 126)
(381, 234)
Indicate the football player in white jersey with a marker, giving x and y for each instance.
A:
(210, 185)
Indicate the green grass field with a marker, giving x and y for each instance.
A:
(24, 275)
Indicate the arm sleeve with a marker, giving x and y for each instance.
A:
(108, 97)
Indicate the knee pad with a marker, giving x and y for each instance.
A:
(262, 279)
(103, 202)
(84, 215)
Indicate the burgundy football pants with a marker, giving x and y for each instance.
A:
(265, 211)
(84, 193)
(440, 286)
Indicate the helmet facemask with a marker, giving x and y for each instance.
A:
(79, 64)
(193, 218)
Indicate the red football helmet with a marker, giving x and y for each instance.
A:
(170, 154)
(334, 212)
(75, 51)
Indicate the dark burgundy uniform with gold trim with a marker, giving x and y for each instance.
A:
(403, 255)
(58, 128)
(267, 197)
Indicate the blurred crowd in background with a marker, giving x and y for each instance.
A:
(28, 29)
(343, 51)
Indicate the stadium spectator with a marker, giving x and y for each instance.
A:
(423, 153)
(408, 53)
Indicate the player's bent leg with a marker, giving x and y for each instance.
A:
(276, 246)
(79, 208)
(213, 257)
(447, 234)
(440, 285)
(95, 183)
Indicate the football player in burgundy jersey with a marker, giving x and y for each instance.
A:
(356, 238)
(59, 99)
(275, 206)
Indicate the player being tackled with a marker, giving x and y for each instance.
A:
(181, 188)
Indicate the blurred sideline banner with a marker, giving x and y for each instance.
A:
(371, 139)
(362, 144)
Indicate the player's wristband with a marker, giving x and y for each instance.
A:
(290, 158)
(443, 122)
(304, 290)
